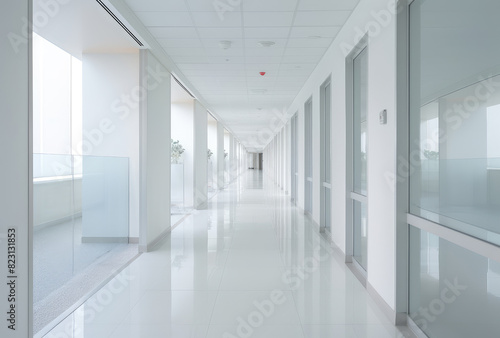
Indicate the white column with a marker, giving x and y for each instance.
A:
(16, 221)
(200, 156)
(154, 154)
(220, 156)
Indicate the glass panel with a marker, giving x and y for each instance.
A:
(454, 292)
(328, 139)
(55, 209)
(360, 234)
(360, 106)
(177, 185)
(327, 208)
(308, 139)
(105, 208)
(455, 116)
(308, 156)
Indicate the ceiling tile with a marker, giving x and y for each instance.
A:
(267, 19)
(226, 60)
(225, 52)
(176, 51)
(303, 67)
(321, 18)
(262, 66)
(156, 5)
(213, 5)
(259, 51)
(174, 32)
(215, 43)
(305, 51)
(165, 19)
(327, 5)
(211, 19)
(254, 43)
(301, 58)
(309, 43)
(215, 67)
(220, 33)
(263, 59)
(190, 59)
(181, 43)
(266, 32)
(271, 6)
(305, 32)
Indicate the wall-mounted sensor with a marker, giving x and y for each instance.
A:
(383, 116)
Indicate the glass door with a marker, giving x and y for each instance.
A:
(325, 146)
(308, 180)
(359, 158)
(294, 162)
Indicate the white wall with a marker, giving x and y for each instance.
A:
(381, 138)
(154, 153)
(15, 147)
(183, 130)
(111, 99)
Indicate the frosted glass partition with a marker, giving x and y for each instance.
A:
(455, 115)
(454, 293)
(54, 165)
(105, 200)
(77, 218)
(463, 194)
(360, 230)
(177, 184)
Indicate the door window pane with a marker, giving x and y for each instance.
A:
(455, 115)
(360, 105)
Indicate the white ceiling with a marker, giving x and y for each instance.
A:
(190, 32)
(82, 26)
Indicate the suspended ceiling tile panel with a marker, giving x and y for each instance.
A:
(306, 32)
(174, 32)
(219, 33)
(207, 5)
(274, 5)
(321, 18)
(165, 19)
(310, 43)
(212, 19)
(327, 5)
(268, 19)
(157, 5)
(181, 43)
(266, 33)
(305, 51)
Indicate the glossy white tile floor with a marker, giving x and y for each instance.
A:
(249, 266)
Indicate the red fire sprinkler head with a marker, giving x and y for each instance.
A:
(262, 73)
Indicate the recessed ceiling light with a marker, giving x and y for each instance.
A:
(225, 44)
(266, 43)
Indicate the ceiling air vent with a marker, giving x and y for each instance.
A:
(120, 23)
